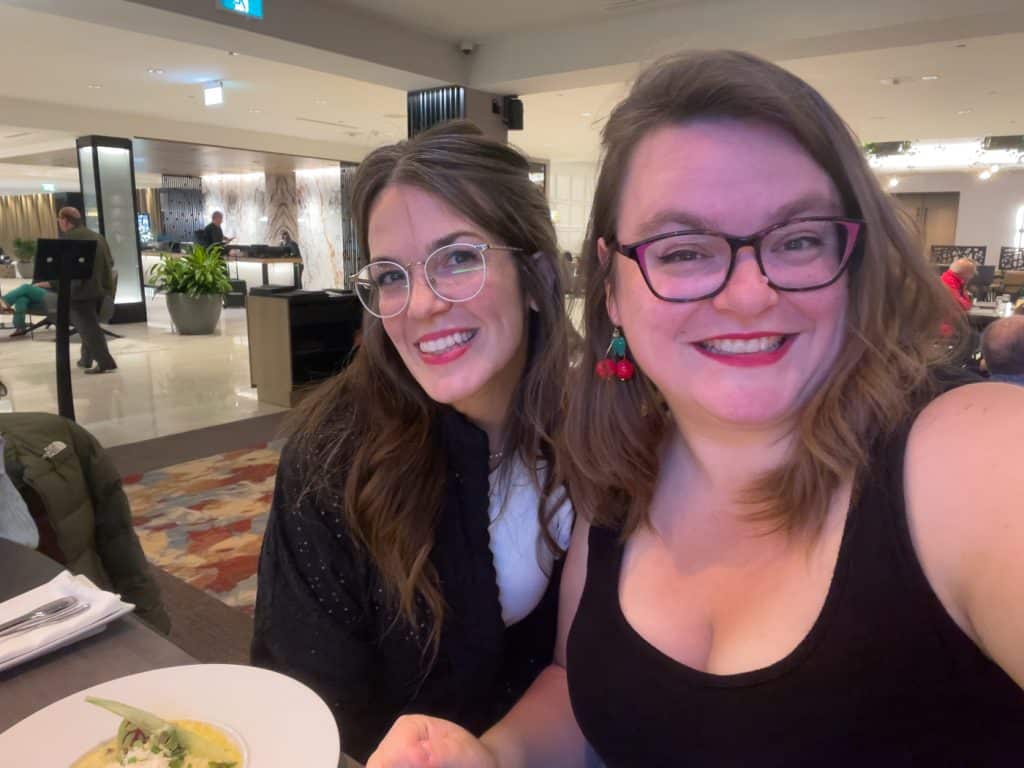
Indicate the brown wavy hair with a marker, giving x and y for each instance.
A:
(614, 432)
(368, 439)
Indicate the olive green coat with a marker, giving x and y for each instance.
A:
(102, 281)
(82, 499)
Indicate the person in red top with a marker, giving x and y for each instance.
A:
(956, 279)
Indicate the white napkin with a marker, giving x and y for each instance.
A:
(104, 607)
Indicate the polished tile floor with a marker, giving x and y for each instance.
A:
(164, 384)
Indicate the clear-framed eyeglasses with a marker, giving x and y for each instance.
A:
(798, 255)
(455, 273)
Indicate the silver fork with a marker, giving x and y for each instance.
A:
(44, 621)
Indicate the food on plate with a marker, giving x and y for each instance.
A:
(147, 741)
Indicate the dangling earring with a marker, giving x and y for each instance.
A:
(615, 362)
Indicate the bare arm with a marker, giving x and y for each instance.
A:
(541, 730)
(967, 527)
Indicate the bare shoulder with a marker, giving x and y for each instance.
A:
(962, 462)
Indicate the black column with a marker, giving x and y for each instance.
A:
(490, 112)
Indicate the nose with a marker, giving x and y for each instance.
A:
(747, 293)
(423, 302)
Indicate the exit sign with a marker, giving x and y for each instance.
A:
(251, 8)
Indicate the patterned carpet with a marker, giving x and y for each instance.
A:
(203, 521)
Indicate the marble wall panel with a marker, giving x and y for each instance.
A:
(320, 236)
(242, 197)
(282, 207)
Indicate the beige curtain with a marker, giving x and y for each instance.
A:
(148, 201)
(26, 216)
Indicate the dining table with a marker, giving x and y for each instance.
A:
(126, 646)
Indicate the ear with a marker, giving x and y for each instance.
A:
(605, 255)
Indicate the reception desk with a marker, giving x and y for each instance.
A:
(297, 339)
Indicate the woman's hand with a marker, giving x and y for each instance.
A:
(417, 741)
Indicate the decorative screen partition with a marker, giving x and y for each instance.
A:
(1011, 258)
(947, 254)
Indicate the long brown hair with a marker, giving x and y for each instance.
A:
(369, 439)
(615, 432)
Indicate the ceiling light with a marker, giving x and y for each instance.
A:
(985, 175)
(585, 114)
(321, 102)
(255, 111)
(929, 77)
(155, 71)
(49, 187)
(994, 169)
(95, 86)
(963, 111)
(893, 183)
(213, 93)
(232, 53)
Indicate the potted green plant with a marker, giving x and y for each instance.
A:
(195, 284)
(25, 256)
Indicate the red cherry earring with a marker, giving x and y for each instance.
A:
(614, 362)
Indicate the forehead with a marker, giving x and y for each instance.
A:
(404, 217)
(733, 175)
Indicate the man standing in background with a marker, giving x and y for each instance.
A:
(214, 234)
(86, 295)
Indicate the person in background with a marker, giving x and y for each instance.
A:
(412, 555)
(772, 564)
(87, 295)
(956, 279)
(17, 301)
(214, 235)
(291, 245)
(1002, 348)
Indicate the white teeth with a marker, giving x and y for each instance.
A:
(743, 346)
(437, 346)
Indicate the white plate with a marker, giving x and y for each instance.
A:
(280, 721)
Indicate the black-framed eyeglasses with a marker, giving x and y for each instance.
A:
(455, 273)
(797, 255)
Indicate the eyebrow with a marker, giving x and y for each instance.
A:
(441, 242)
(810, 204)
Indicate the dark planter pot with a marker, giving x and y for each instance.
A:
(194, 316)
(25, 269)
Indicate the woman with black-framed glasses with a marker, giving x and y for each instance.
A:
(412, 556)
(793, 547)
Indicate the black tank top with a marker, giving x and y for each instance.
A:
(884, 677)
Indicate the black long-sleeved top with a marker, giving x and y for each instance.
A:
(322, 616)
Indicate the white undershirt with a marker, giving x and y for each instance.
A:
(522, 560)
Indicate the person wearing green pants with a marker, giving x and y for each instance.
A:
(17, 301)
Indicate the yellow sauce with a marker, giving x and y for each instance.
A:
(105, 755)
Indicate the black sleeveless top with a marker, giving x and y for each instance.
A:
(884, 677)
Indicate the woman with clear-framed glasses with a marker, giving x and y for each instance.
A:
(412, 555)
(793, 546)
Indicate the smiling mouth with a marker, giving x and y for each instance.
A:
(447, 343)
(754, 346)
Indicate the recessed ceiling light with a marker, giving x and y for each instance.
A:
(929, 77)
(232, 53)
(585, 114)
(985, 175)
(255, 111)
(49, 187)
(95, 86)
(213, 93)
(994, 169)
(155, 71)
(963, 111)
(893, 183)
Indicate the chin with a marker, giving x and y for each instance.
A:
(751, 410)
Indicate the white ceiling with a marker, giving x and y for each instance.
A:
(473, 20)
(563, 125)
(291, 100)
